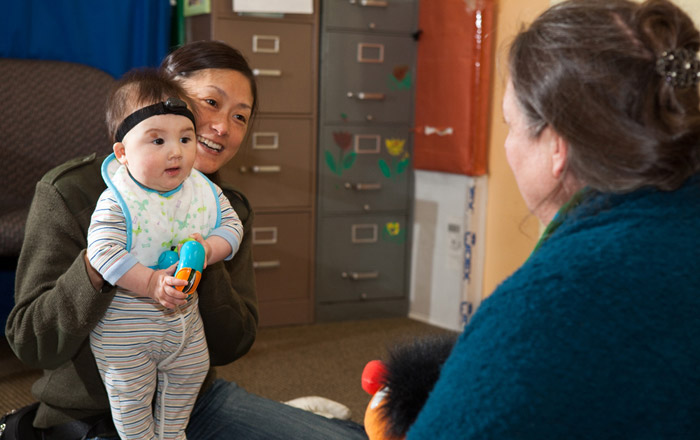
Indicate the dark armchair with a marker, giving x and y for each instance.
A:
(50, 111)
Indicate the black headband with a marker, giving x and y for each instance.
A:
(173, 106)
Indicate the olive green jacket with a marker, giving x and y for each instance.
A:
(56, 306)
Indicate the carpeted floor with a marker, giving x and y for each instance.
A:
(284, 363)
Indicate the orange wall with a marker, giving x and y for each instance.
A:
(511, 233)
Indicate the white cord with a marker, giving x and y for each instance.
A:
(165, 362)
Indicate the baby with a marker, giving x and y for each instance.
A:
(150, 341)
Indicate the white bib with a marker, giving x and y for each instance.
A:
(157, 221)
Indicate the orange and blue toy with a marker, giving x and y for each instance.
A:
(190, 264)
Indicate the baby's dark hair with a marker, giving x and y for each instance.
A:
(139, 88)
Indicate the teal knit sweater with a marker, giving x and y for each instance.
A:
(596, 336)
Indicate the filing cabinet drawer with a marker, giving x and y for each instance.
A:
(274, 169)
(367, 78)
(282, 255)
(224, 8)
(371, 15)
(361, 258)
(280, 55)
(364, 169)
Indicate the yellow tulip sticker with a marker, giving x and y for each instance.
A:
(395, 146)
(399, 158)
(393, 228)
(393, 232)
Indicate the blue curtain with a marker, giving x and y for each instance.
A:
(111, 35)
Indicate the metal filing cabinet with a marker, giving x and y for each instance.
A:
(364, 158)
(276, 167)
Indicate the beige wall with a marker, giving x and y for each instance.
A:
(511, 233)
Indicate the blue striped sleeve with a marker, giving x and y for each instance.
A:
(107, 239)
(231, 228)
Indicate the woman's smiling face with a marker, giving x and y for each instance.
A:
(224, 102)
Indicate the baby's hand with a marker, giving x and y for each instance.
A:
(160, 288)
(207, 247)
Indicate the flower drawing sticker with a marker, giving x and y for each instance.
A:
(400, 78)
(400, 159)
(393, 232)
(346, 157)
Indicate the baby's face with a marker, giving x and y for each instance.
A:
(159, 152)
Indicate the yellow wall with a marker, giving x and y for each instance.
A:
(511, 233)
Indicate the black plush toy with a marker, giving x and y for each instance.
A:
(401, 385)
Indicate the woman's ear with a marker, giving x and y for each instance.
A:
(560, 154)
(119, 152)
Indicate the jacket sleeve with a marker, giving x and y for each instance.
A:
(227, 297)
(56, 306)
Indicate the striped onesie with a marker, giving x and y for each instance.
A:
(142, 349)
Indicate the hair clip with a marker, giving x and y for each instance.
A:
(679, 67)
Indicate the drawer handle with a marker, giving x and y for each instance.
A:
(372, 3)
(272, 264)
(261, 169)
(359, 276)
(267, 72)
(363, 96)
(363, 186)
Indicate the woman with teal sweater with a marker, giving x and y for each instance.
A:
(597, 335)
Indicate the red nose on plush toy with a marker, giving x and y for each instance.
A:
(373, 376)
(374, 383)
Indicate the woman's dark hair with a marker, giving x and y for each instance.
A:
(139, 88)
(200, 55)
(587, 68)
